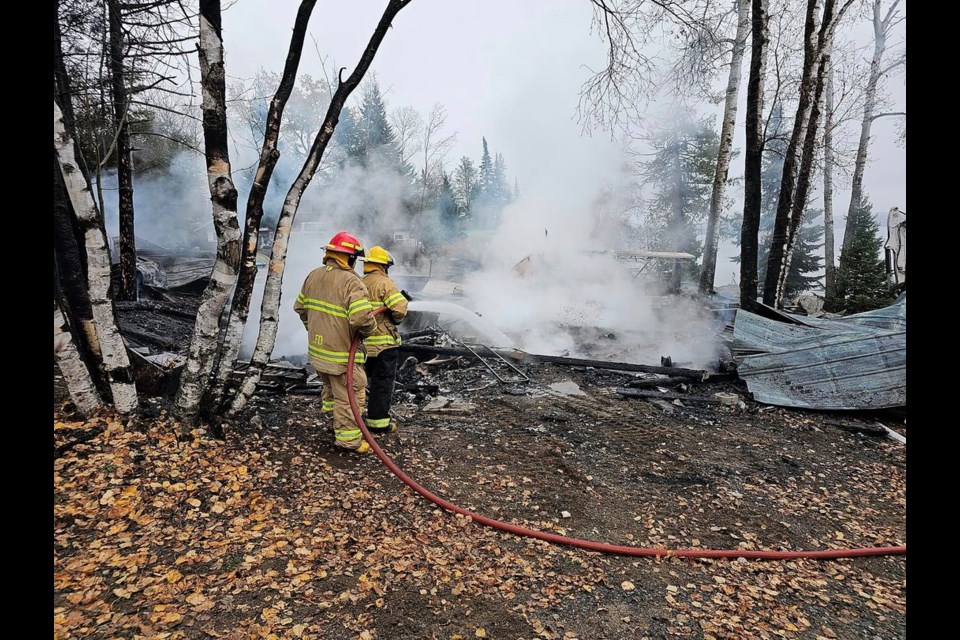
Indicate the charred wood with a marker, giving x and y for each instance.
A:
(653, 395)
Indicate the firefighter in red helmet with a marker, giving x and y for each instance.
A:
(334, 307)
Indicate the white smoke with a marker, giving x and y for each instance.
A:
(551, 279)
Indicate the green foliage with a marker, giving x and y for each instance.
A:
(681, 176)
(861, 283)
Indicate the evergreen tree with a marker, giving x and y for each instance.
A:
(447, 206)
(378, 146)
(346, 138)
(485, 180)
(465, 187)
(807, 261)
(861, 276)
(501, 188)
(681, 177)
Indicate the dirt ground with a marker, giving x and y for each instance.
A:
(162, 530)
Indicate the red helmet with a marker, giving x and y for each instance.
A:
(345, 243)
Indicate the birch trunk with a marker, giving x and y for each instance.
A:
(709, 269)
(82, 390)
(881, 28)
(270, 307)
(269, 155)
(804, 177)
(829, 268)
(115, 360)
(778, 243)
(796, 181)
(70, 270)
(198, 371)
(753, 160)
(126, 287)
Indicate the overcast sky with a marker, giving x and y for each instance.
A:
(509, 70)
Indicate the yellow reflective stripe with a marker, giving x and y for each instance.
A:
(329, 405)
(378, 423)
(300, 297)
(394, 299)
(347, 434)
(378, 340)
(335, 356)
(377, 303)
(322, 306)
(360, 305)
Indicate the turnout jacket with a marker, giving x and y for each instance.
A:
(334, 306)
(384, 293)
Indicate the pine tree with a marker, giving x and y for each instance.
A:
(501, 188)
(465, 187)
(378, 144)
(485, 180)
(346, 138)
(447, 205)
(681, 176)
(861, 276)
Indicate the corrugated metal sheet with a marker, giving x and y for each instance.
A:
(855, 362)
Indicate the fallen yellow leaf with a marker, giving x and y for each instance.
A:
(626, 585)
(480, 633)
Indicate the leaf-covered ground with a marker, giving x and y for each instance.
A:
(163, 531)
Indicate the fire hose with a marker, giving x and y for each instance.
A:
(603, 547)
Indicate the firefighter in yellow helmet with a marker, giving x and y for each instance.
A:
(382, 345)
(334, 306)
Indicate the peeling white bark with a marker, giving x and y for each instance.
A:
(198, 371)
(115, 360)
(79, 383)
(725, 150)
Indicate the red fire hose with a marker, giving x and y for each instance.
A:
(604, 547)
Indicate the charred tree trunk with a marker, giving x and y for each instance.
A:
(116, 363)
(778, 243)
(82, 390)
(753, 160)
(126, 285)
(709, 269)
(269, 155)
(881, 28)
(796, 180)
(829, 264)
(270, 308)
(804, 177)
(223, 194)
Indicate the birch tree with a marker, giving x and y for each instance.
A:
(818, 34)
(725, 150)
(115, 361)
(434, 145)
(882, 25)
(270, 306)
(80, 384)
(269, 156)
(829, 247)
(197, 372)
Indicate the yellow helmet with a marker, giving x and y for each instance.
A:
(379, 255)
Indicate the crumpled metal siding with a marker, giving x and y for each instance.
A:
(855, 362)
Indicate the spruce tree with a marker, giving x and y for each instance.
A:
(465, 187)
(861, 277)
(485, 179)
(447, 205)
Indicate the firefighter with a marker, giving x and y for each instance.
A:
(382, 345)
(334, 306)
